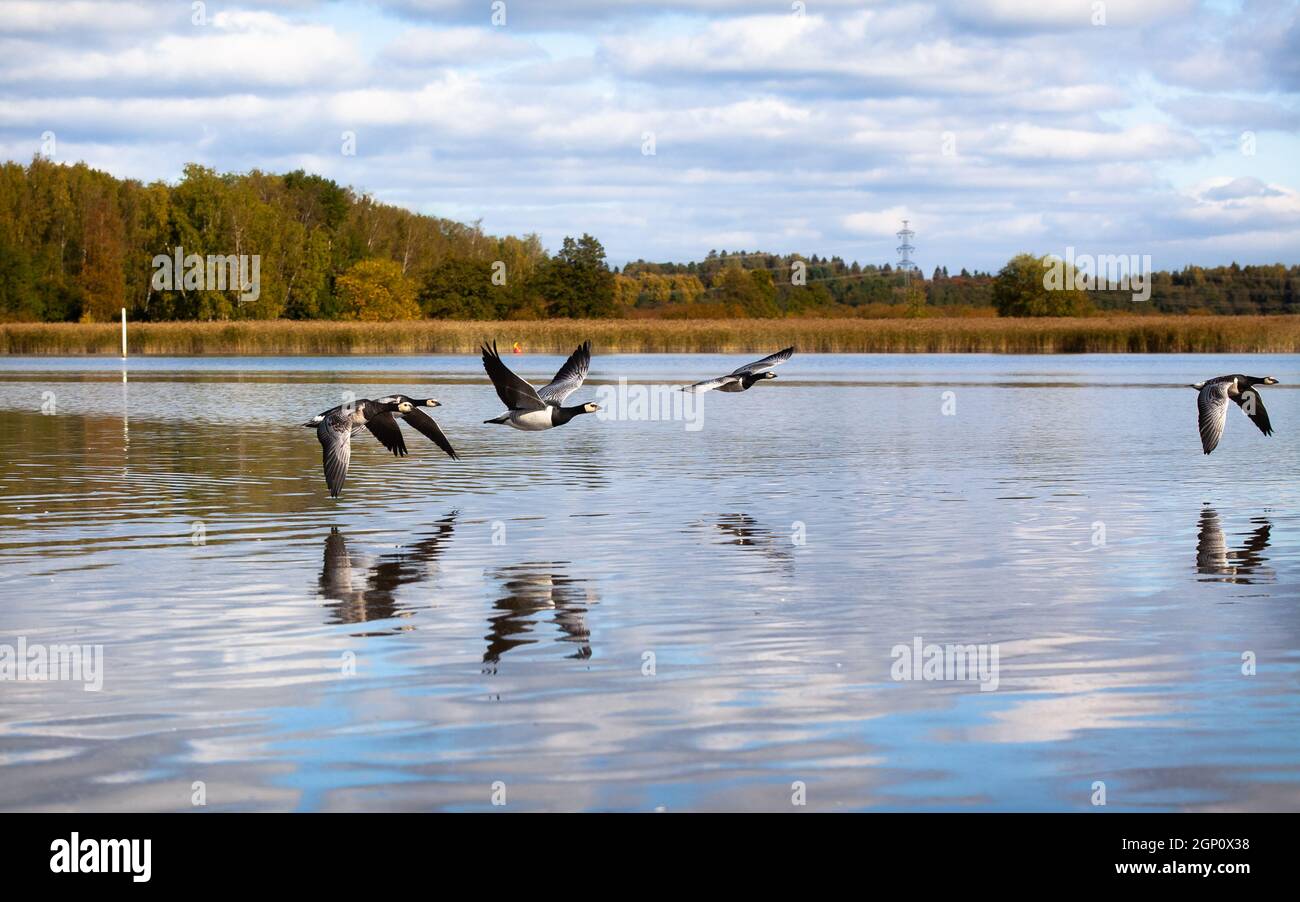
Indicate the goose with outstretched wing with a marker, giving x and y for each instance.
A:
(1212, 405)
(334, 429)
(336, 426)
(531, 409)
(744, 377)
(383, 423)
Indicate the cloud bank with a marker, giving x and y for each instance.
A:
(1168, 127)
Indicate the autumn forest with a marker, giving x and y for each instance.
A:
(77, 245)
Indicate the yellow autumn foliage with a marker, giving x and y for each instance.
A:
(375, 290)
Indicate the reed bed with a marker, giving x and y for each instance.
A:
(1097, 334)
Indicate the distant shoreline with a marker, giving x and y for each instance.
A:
(1167, 333)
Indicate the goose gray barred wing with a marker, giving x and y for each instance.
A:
(1252, 405)
(514, 392)
(335, 434)
(570, 376)
(762, 366)
(1212, 405)
(710, 384)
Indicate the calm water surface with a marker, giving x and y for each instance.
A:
(632, 615)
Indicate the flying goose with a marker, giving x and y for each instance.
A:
(383, 426)
(335, 426)
(533, 410)
(743, 378)
(334, 429)
(1212, 404)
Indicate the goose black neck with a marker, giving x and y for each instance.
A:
(371, 409)
(562, 415)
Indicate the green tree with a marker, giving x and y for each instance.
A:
(576, 282)
(18, 297)
(913, 296)
(317, 201)
(1025, 287)
(748, 292)
(460, 289)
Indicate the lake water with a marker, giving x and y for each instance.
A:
(631, 614)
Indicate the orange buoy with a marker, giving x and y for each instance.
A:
(517, 349)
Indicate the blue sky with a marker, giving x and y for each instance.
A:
(1163, 127)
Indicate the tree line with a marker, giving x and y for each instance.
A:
(77, 244)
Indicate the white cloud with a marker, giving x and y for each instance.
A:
(470, 46)
(234, 49)
(1032, 15)
(1238, 189)
(1216, 110)
(1231, 205)
(772, 132)
(37, 17)
(1142, 142)
(878, 222)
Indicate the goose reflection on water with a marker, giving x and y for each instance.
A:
(742, 529)
(528, 590)
(356, 598)
(1245, 565)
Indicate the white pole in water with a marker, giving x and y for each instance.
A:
(123, 333)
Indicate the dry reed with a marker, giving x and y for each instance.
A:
(1098, 334)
